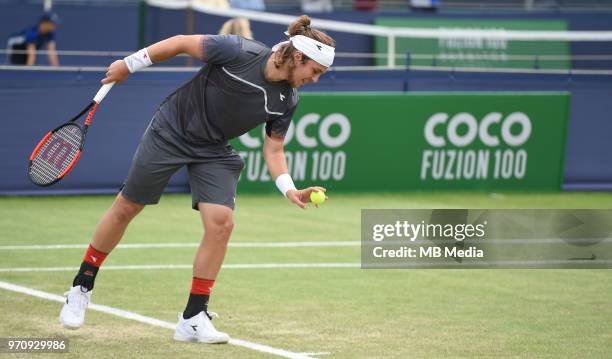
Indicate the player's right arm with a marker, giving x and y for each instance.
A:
(158, 52)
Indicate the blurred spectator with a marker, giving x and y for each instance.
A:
(317, 6)
(237, 26)
(219, 4)
(26, 42)
(259, 5)
(365, 5)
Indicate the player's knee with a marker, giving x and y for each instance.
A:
(124, 211)
(221, 227)
(122, 215)
(226, 227)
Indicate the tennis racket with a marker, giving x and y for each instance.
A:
(60, 149)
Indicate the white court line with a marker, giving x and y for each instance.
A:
(187, 266)
(510, 241)
(148, 320)
(500, 263)
(191, 245)
(316, 354)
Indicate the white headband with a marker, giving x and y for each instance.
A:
(316, 50)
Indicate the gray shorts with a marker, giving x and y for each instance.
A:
(213, 169)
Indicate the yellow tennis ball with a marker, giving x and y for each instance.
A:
(317, 197)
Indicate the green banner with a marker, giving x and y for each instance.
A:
(477, 52)
(419, 141)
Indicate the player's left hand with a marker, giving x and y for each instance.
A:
(302, 196)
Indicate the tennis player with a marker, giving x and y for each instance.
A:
(242, 84)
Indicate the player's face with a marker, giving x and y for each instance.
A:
(303, 73)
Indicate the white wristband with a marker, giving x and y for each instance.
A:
(138, 60)
(284, 183)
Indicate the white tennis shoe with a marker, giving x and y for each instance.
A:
(72, 315)
(199, 328)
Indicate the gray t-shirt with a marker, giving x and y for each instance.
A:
(229, 96)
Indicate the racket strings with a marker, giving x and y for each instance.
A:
(56, 154)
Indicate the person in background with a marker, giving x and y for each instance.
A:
(23, 45)
(237, 26)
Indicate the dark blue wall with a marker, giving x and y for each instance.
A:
(32, 102)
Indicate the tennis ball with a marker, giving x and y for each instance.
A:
(317, 197)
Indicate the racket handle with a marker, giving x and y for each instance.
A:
(102, 92)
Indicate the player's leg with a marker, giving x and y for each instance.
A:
(213, 187)
(107, 235)
(113, 224)
(153, 164)
(194, 322)
(218, 225)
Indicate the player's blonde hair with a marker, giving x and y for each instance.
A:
(237, 26)
(301, 26)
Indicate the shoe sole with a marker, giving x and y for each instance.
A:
(70, 326)
(191, 339)
(214, 342)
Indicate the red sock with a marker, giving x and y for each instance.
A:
(202, 286)
(94, 256)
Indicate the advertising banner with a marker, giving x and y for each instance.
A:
(477, 52)
(419, 141)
